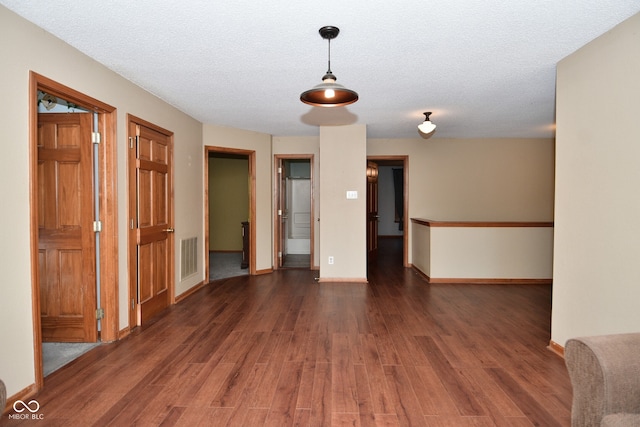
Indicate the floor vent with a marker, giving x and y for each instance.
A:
(189, 257)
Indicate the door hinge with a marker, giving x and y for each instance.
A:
(279, 212)
(100, 313)
(279, 170)
(279, 254)
(97, 226)
(95, 137)
(130, 142)
(133, 304)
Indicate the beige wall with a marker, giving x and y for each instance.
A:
(421, 248)
(260, 143)
(24, 47)
(597, 243)
(228, 202)
(454, 179)
(475, 179)
(342, 221)
(500, 253)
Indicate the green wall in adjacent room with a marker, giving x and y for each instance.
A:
(228, 202)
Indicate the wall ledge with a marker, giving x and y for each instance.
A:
(433, 223)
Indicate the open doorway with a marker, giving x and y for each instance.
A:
(294, 234)
(229, 212)
(73, 228)
(387, 203)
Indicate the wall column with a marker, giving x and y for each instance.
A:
(343, 160)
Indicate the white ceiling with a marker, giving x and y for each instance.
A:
(484, 68)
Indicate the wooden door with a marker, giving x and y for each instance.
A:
(151, 220)
(66, 240)
(372, 211)
(298, 209)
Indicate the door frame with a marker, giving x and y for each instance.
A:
(277, 158)
(251, 156)
(405, 197)
(135, 315)
(108, 209)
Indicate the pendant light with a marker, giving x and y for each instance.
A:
(426, 128)
(329, 93)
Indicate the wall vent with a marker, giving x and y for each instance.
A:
(189, 257)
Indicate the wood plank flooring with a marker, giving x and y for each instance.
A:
(283, 350)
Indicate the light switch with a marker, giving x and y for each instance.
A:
(352, 194)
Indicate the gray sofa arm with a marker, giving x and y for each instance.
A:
(605, 374)
(3, 398)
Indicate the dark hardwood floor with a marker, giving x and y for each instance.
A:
(281, 349)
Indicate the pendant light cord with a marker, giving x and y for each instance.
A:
(329, 62)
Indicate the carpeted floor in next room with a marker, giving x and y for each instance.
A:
(225, 264)
(57, 354)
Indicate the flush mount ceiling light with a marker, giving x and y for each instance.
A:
(329, 93)
(426, 128)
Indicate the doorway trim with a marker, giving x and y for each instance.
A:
(277, 158)
(405, 199)
(251, 156)
(108, 208)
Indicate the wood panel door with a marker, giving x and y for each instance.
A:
(372, 211)
(152, 218)
(66, 240)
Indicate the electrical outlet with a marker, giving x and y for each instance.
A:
(330, 260)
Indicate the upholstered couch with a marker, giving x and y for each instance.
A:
(605, 375)
(3, 397)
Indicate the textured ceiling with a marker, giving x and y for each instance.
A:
(484, 68)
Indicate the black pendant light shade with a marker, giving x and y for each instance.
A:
(329, 93)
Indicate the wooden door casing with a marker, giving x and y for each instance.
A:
(66, 240)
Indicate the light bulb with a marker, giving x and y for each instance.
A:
(329, 93)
